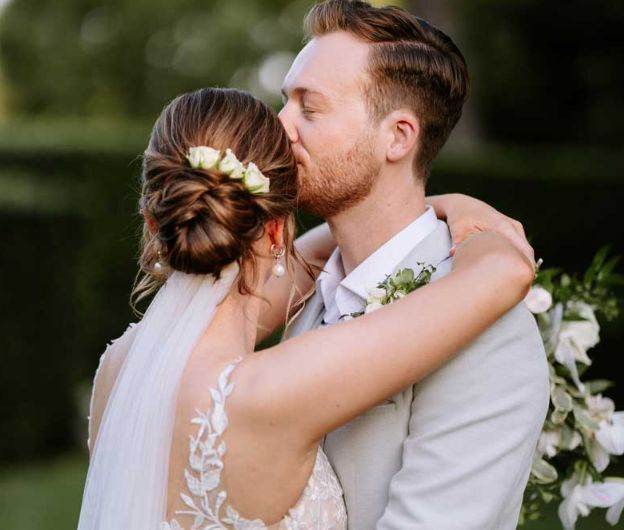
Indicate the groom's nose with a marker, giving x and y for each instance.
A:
(291, 130)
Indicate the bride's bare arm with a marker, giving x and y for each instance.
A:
(316, 245)
(313, 383)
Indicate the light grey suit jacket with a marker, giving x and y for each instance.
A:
(454, 451)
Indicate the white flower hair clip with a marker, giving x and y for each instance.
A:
(204, 157)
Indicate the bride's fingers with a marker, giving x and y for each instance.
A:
(525, 246)
(506, 227)
(514, 231)
(519, 227)
(463, 232)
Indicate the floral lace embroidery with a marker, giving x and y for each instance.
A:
(321, 505)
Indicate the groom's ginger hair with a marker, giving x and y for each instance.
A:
(411, 65)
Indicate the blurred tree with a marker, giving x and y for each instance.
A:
(119, 58)
(541, 71)
(547, 71)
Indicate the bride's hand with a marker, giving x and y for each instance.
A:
(506, 258)
(466, 215)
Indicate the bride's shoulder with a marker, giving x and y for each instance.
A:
(231, 384)
(208, 380)
(105, 376)
(261, 395)
(124, 341)
(115, 353)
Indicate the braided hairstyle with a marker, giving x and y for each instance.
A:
(206, 220)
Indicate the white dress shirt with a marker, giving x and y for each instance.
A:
(344, 295)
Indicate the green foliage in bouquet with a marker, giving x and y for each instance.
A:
(395, 287)
(582, 431)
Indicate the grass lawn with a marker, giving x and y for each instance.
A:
(43, 496)
(46, 496)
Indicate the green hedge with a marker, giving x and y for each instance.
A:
(68, 212)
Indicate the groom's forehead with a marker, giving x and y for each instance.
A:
(336, 59)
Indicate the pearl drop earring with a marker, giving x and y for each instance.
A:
(158, 267)
(278, 269)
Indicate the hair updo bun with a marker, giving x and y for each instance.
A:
(206, 220)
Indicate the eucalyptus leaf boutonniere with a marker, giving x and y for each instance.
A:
(394, 287)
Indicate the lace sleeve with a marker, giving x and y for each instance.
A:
(105, 374)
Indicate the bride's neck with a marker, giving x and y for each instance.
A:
(235, 323)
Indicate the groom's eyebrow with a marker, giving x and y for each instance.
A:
(303, 91)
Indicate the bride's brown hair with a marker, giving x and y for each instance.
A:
(205, 220)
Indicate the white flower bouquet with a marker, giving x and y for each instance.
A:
(582, 432)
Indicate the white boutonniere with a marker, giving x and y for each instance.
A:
(393, 288)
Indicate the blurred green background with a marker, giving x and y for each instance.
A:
(81, 82)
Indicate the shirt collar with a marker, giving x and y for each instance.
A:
(380, 263)
(330, 277)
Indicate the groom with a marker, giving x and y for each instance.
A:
(369, 102)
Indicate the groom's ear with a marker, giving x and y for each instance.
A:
(403, 133)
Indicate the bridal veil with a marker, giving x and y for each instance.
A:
(126, 485)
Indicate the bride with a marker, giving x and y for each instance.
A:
(189, 427)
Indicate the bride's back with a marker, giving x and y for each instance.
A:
(228, 463)
(217, 436)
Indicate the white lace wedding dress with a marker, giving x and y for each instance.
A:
(128, 477)
(320, 507)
